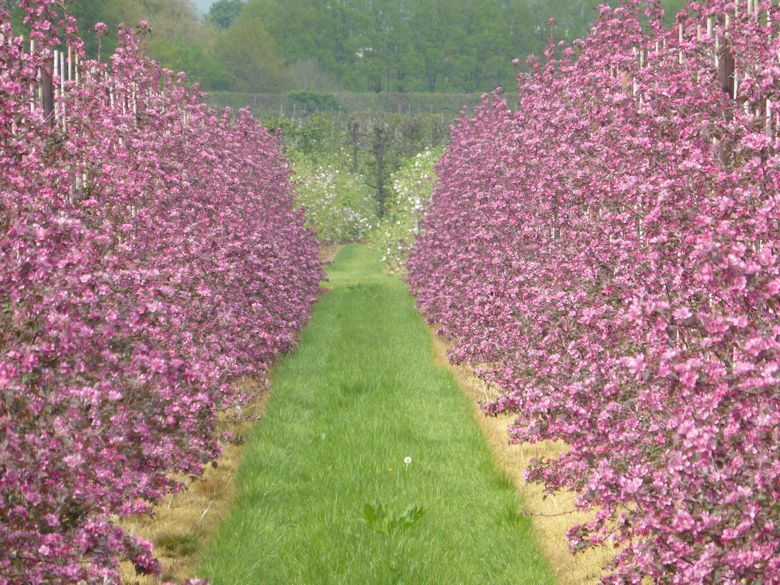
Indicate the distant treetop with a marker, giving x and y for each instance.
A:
(223, 12)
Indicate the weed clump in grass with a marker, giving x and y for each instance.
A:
(180, 544)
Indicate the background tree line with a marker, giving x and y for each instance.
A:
(269, 46)
(409, 45)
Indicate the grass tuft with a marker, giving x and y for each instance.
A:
(181, 544)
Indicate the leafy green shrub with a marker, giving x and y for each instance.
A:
(339, 206)
(412, 186)
(310, 137)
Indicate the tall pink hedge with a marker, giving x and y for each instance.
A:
(149, 256)
(609, 255)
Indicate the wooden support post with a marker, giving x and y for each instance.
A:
(726, 66)
(768, 126)
(47, 93)
(62, 86)
(724, 61)
(33, 88)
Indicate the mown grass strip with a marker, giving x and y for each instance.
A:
(361, 394)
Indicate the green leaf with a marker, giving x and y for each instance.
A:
(374, 514)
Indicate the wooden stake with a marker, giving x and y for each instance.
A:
(62, 89)
(47, 93)
(62, 74)
(134, 100)
(717, 51)
(33, 88)
(679, 43)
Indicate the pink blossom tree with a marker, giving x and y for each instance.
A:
(608, 255)
(149, 256)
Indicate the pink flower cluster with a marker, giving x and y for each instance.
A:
(609, 256)
(149, 256)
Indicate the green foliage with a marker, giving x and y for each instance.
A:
(112, 12)
(178, 55)
(16, 16)
(389, 140)
(246, 52)
(426, 45)
(384, 521)
(439, 110)
(170, 20)
(179, 544)
(672, 7)
(227, 51)
(267, 46)
(311, 136)
(339, 206)
(390, 524)
(309, 75)
(347, 192)
(223, 12)
(412, 187)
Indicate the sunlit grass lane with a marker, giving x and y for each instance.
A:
(361, 394)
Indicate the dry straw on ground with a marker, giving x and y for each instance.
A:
(551, 515)
(181, 526)
(328, 253)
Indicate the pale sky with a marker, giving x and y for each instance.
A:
(203, 5)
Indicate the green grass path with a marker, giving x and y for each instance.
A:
(359, 395)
